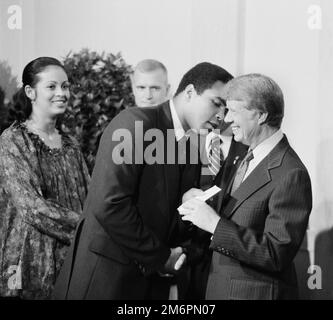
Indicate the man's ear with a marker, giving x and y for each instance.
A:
(263, 117)
(189, 91)
(168, 90)
(30, 92)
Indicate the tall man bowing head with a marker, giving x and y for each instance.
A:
(260, 222)
(128, 243)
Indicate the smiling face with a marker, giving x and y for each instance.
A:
(150, 88)
(245, 122)
(50, 95)
(206, 109)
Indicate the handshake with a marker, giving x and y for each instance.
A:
(177, 257)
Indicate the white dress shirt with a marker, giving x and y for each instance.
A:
(262, 150)
(178, 127)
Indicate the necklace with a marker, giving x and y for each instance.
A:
(50, 135)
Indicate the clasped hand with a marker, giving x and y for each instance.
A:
(198, 212)
(174, 263)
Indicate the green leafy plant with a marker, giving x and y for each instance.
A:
(8, 86)
(100, 89)
(6, 111)
(8, 82)
(2, 110)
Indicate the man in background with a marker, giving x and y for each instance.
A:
(150, 83)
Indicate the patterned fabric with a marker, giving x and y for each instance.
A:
(42, 191)
(215, 156)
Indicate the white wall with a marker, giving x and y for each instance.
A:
(179, 33)
(16, 46)
(267, 36)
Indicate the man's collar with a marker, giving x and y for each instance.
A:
(268, 144)
(179, 130)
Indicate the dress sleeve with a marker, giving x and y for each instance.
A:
(21, 184)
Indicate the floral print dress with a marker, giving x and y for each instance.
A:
(42, 191)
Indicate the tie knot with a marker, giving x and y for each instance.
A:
(215, 142)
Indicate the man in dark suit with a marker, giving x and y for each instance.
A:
(231, 151)
(129, 239)
(263, 214)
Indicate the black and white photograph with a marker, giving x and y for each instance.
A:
(162, 150)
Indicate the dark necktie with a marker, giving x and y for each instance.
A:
(241, 171)
(215, 155)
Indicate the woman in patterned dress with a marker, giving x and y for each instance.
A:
(43, 184)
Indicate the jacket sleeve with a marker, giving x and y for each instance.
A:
(114, 190)
(287, 214)
(21, 186)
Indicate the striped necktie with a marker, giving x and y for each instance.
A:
(215, 155)
(241, 171)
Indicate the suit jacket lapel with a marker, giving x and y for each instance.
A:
(259, 177)
(171, 170)
(228, 169)
(191, 174)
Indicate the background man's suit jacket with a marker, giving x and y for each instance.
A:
(261, 228)
(130, 219)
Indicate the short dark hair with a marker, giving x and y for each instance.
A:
(203, 76)
(30, 77)
(262, 93)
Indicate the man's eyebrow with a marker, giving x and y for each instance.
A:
(223, 101)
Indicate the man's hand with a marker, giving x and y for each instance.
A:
(176, 260)
(192, 193)
(200, 214)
